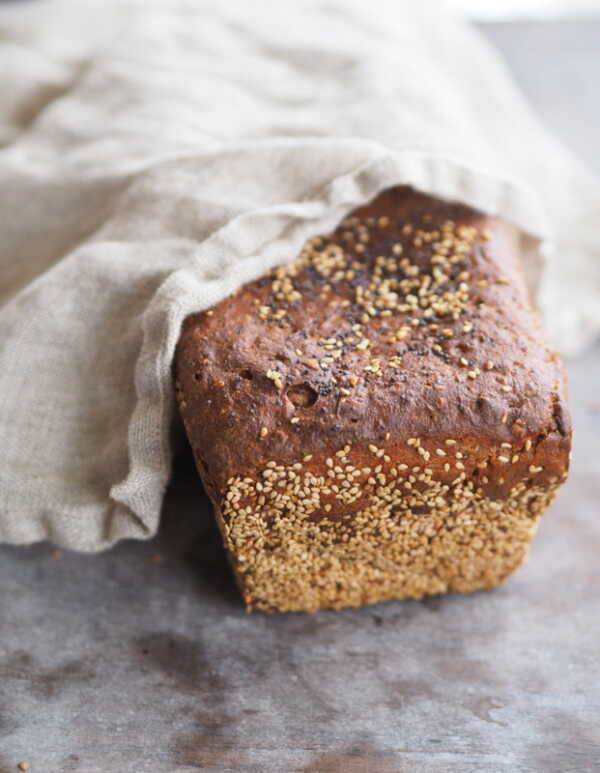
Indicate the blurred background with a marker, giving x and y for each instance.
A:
(526, 9)
(553, 49)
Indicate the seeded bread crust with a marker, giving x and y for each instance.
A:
(381, 418)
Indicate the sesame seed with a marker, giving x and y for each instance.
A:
(275, 377)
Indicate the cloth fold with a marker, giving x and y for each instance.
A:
(159, 154)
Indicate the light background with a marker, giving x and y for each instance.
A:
(506, 10)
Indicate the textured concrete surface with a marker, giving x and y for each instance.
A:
(142, 659)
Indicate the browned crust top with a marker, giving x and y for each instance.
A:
(453, 348)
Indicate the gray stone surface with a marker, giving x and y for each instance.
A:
(141, 659)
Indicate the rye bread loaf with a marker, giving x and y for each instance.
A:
(381, 418)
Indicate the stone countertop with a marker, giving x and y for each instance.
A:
(142, 659)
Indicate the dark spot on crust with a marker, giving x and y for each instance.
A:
(247, 374)
(302, 395)
(325, 389)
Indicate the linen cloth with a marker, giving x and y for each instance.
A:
(158, 154)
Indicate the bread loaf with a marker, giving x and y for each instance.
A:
(380, 418)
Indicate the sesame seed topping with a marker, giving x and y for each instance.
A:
(275, 377)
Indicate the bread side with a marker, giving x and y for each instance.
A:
(381, 418)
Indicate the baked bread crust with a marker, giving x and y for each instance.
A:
(381, 418)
